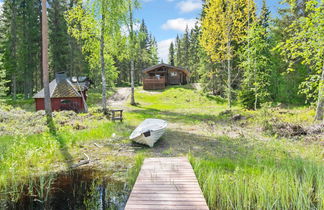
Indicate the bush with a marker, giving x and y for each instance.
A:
(246, 98)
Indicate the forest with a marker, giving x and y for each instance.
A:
(250, 119)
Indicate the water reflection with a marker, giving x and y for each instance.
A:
(77, 189)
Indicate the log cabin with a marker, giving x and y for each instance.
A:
(159, 76)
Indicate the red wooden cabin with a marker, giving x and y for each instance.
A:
(161, 75)
(66, 93)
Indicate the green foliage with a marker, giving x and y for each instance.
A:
(59, 37)
(171, 54)
(257, 67)
(223, 24)
(247, 98)
(3, 81)
(310, 50)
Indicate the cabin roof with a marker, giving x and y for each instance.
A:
(166, 65)
(60, 89)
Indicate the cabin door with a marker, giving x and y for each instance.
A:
(174, 78)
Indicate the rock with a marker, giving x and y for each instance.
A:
(238, 117)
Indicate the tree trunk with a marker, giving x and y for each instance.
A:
(41, 46)
(229, 77)
(132, 83)
(132, 53)
(14, 86)
(102, 59)
(47, 100)
(320, 104)
(14, 49)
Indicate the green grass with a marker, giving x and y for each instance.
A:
(263, 183)
(25, 156)
(239, 165)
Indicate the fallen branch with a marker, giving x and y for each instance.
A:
(97, 145)
(82, 162)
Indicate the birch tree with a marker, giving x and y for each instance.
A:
(97, 24)
(224, 26)
(307, 43)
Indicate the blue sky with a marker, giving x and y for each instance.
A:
(167, 18)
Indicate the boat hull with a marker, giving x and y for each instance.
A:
(149, 132)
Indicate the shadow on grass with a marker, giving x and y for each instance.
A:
(62, 144)
(182, 117)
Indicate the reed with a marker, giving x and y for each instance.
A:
(267, 183)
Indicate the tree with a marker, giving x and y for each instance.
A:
(3, 81)
(178, 54)
(224, 27)
(185, 48)
(256, 63)
(132, 4)
(257, 68)
(58, 37)
(47, 99)
(10, 40)
(97, 25)
(195, 54)
(306, 43)
(171, 54)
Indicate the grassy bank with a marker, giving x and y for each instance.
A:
(269, 158)
(264, 159)
(273, 175)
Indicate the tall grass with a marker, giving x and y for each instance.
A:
(39, 154)
(134, 171)
(267, 183)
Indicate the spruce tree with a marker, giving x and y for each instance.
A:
(178, 54)
(171, 54)
(58, 36)
(185, 48)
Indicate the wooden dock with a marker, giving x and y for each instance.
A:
(166, 183)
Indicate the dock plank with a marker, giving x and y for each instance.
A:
(166, 183)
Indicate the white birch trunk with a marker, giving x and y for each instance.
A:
(320, 104)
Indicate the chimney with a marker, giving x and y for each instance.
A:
(59, 76)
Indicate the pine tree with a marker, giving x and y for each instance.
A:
(171, 54)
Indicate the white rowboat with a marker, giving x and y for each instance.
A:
(149, 131)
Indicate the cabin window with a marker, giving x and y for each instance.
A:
(173, 74)
(65, 101)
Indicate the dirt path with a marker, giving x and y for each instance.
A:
(119, 99)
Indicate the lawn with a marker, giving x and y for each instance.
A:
(242, 159)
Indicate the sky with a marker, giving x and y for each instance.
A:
(167, 18)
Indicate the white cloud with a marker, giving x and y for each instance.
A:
(179, 24)
(125, 31)
(1, 4)
(163, 49)
(189, 5)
